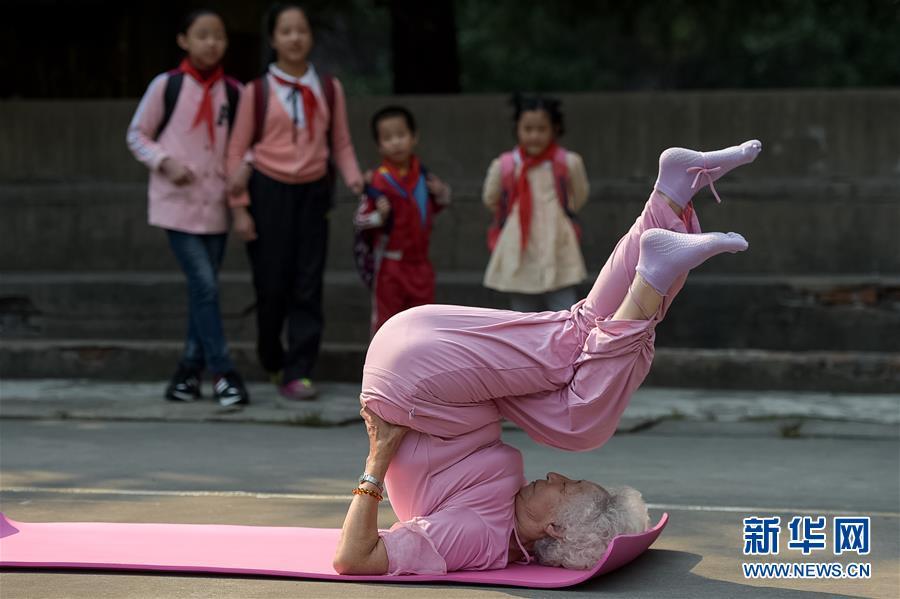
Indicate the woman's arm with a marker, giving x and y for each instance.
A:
(360, 549)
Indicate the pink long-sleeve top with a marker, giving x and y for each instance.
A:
(289, 156)
(455, 499)
(200, 206)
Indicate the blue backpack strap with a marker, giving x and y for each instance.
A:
(397, 187)
(422, 195)
(170, 97)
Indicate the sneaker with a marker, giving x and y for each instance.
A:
(230, 391)
(299, 389)
(184, 386)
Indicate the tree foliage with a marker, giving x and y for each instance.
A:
(678, 44)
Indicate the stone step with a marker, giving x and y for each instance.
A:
(763, 312)
(794, 227)
(135, 360)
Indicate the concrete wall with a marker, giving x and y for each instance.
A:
(821, 208)
(837, 135)
(824, 197)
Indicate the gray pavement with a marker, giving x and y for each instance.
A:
(85, 399)
(707, 475)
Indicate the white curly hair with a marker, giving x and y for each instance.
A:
(589, 522)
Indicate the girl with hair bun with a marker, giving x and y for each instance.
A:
(534, 191)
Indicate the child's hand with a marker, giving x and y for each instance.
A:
(434, 184)
(237, 182)
(242, 223)
(176, 172)
(438, 189)
(384, 206)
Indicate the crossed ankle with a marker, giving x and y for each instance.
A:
(683, 172)
(666, 255)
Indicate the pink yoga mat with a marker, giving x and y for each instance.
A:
(257, 550)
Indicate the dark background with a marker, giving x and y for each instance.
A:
(111, 49)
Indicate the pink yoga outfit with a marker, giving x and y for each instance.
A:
(452, 373)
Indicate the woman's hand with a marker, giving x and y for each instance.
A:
(242, 223)
(176, 172)
(237, 182)
(384, 440)
(360, 549)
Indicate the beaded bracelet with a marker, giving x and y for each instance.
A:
(361, 491)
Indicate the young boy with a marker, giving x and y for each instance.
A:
(394, 219)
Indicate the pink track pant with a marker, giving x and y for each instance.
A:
(563, 377)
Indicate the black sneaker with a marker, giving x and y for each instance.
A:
(184, 386)
(230, 390)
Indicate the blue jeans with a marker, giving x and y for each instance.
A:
(200, 257)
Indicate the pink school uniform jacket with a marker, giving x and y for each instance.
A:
(289, 156)
(200, 206)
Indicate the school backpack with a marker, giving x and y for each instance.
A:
(173, 89)
(508, 186)
(366, 256)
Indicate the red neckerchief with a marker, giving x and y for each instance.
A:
(410, 180)
(309, 102)
(522, 190)
(206, 80)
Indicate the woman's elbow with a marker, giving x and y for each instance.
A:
(343, 562)
(355, 565)
(347, 563)
(342, 566)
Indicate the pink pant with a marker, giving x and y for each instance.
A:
(563, 377)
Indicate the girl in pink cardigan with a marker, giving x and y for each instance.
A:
(295, 121)
(180, 132)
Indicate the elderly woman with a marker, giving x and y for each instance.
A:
(438, 380)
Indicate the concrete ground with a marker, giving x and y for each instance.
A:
(708, 468)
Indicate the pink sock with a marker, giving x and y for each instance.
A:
(683, 172)
(666, 255)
